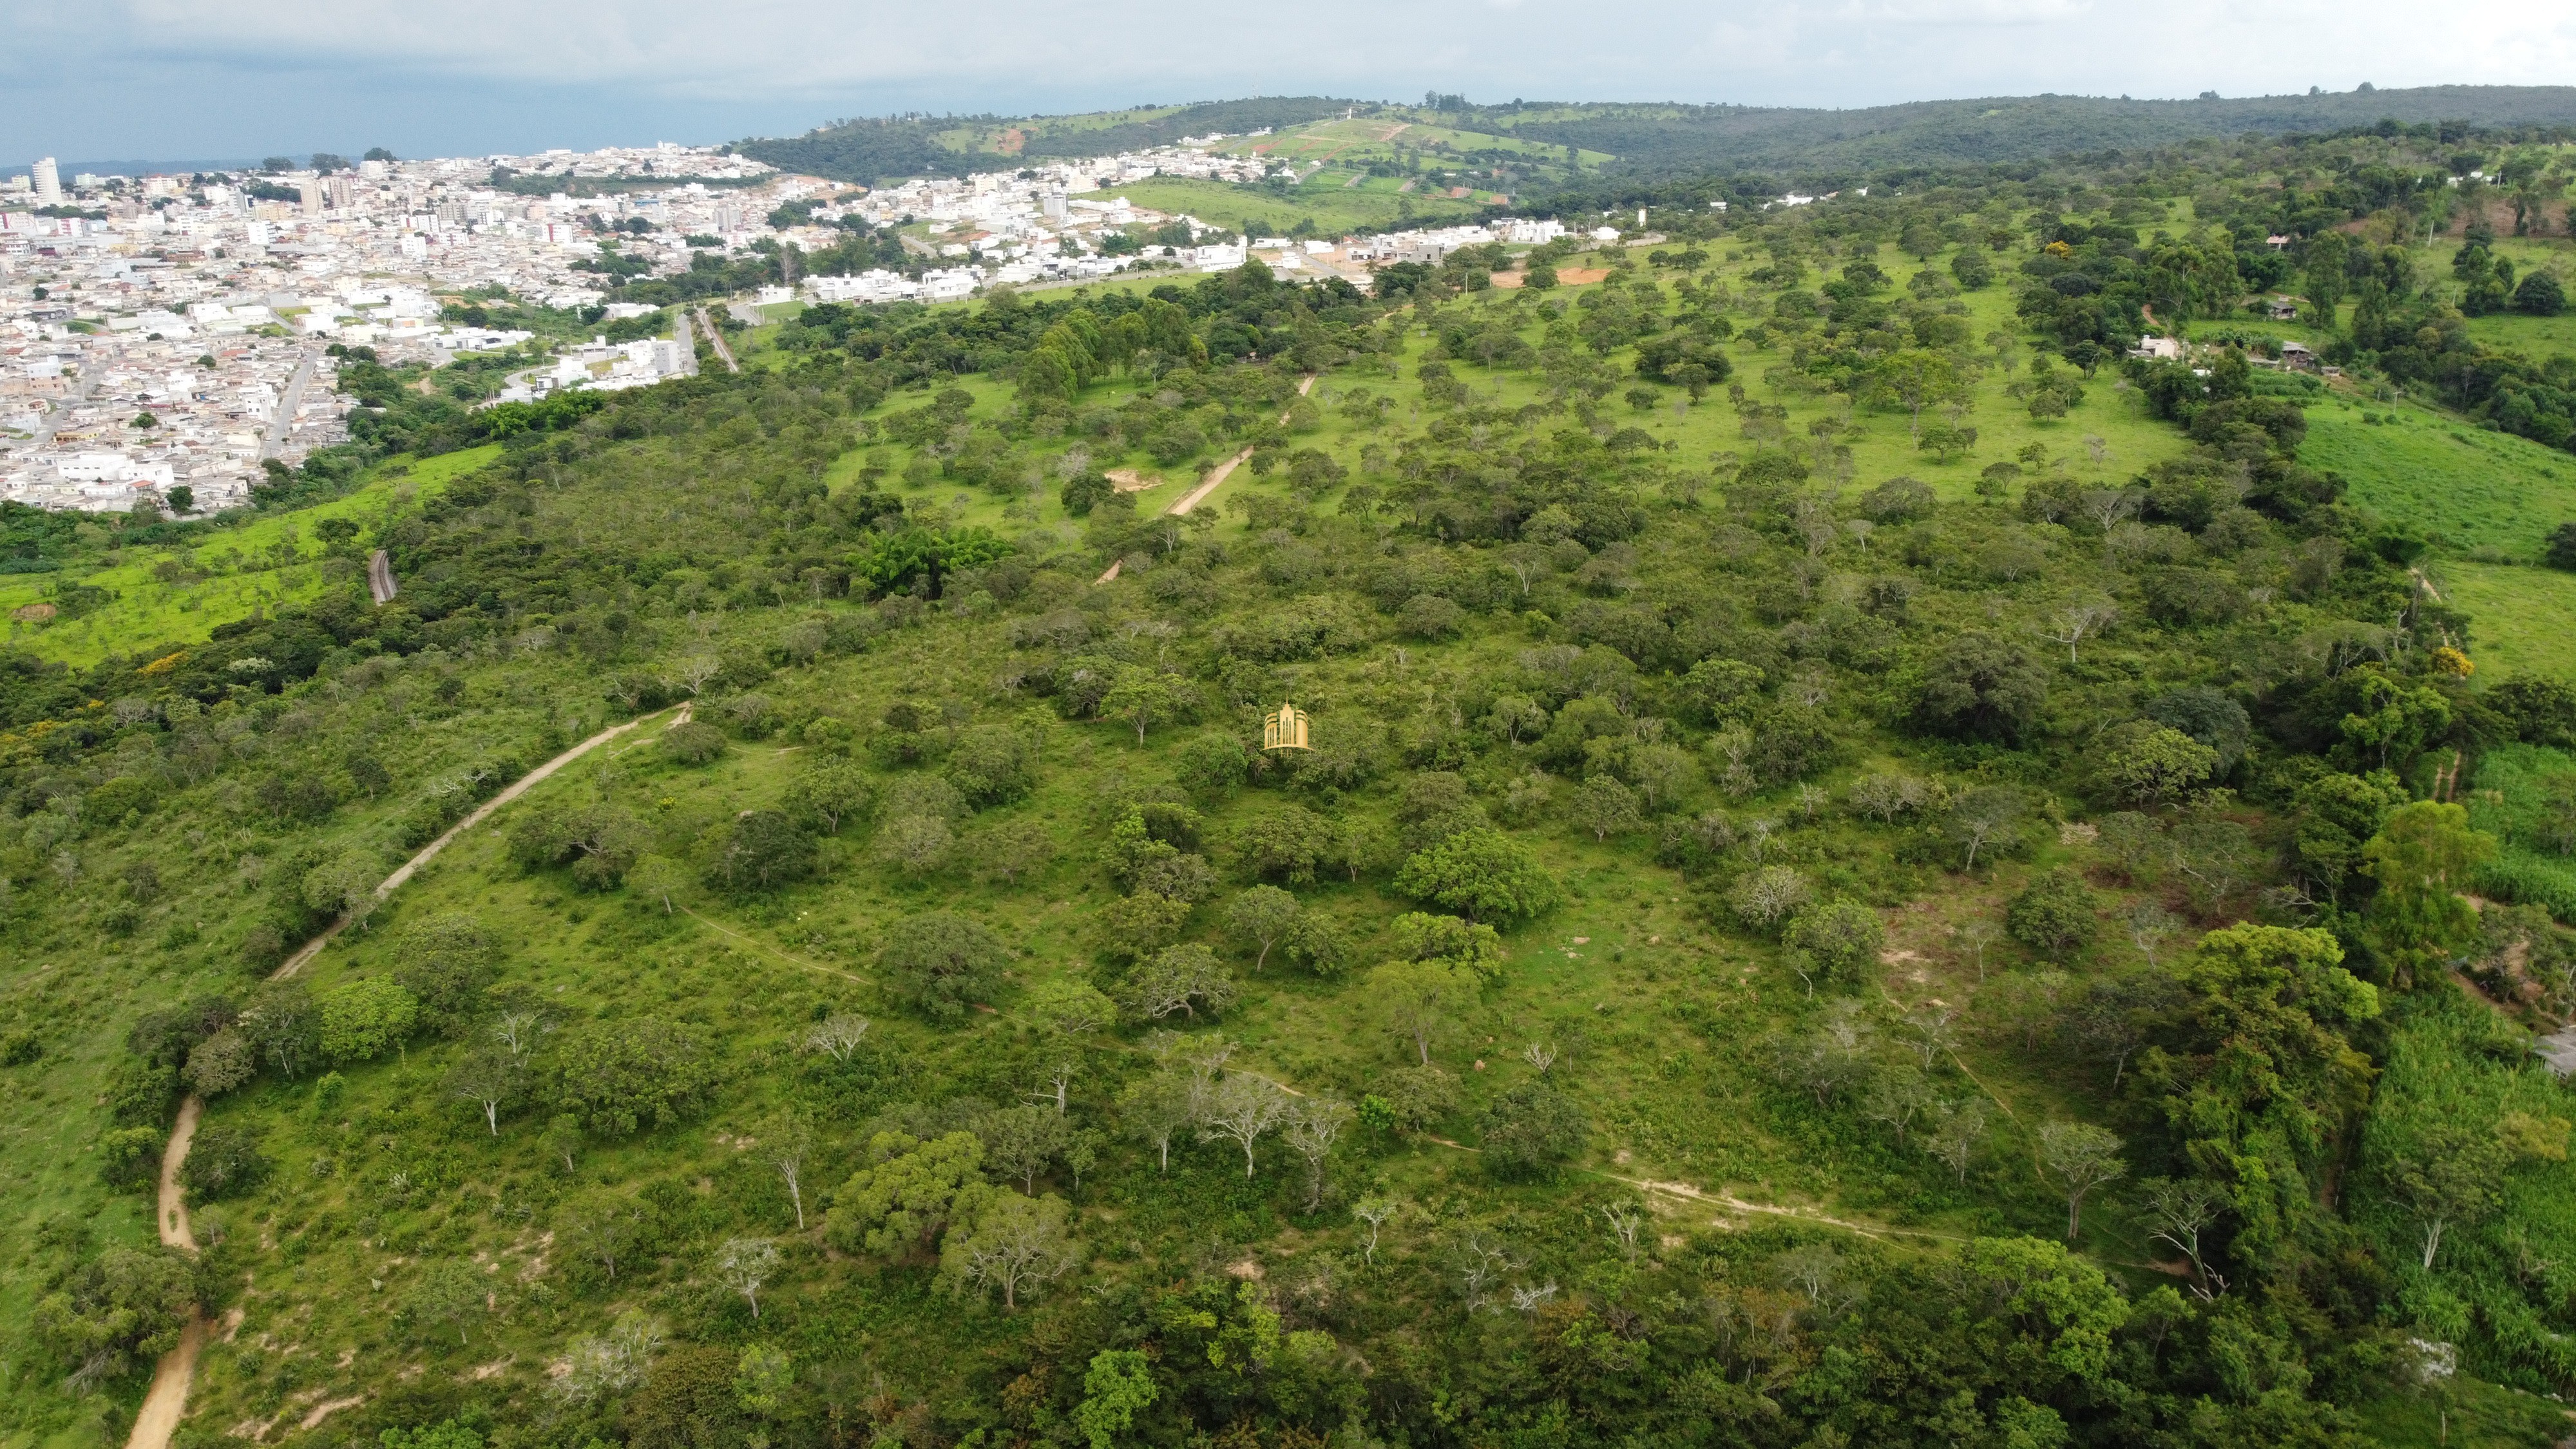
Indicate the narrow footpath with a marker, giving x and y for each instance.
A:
(167, 1399)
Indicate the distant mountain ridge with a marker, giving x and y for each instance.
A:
(2007, 128)
(1665, 138)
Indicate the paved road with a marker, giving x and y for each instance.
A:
(61, 412)
(275, 443)
(683, 335)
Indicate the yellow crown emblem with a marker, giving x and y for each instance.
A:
(1285, 730)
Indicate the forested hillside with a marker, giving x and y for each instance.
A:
(1871, 869)
(1665, 140)
(871, 150)
(1669, 141)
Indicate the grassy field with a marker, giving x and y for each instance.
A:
(2511, 802)
(1881, 443)
(2477, 492)
(2521, 615)
(1333, 209)
(2538, 338)
(1383, 139)
(2470, 1415)
(2535, 337)
(267, 561)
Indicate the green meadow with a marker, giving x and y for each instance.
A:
(175, 595)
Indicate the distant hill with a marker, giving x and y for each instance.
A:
(876, 150)
(2010, 128)
(1666, 138)
(871, 151)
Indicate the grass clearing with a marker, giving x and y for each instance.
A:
(2520, 616)
(2511, 802)
(266, 561)
(2475, 491)
(1333, 208)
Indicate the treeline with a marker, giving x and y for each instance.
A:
(1959, 136)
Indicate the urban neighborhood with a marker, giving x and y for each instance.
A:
(164, 339)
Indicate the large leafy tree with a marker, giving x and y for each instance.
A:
(1482, 874)
(1982, 686)
(907, 1199)
(938, 962)
(2422, 858)
(2255, 1077)
(620, 1076)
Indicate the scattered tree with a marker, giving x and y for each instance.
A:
(1241, 1108)
(1016, 1244)
(938, 962)
(1262, 917)
(1313, 1126)
(745, 1265)
(1419, 1000)
(2078, 1157)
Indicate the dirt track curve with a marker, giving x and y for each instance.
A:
(167, 1400)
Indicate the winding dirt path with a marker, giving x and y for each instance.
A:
(167, 1400)
(513, 791)
(1732, 1203)
(1224, 470)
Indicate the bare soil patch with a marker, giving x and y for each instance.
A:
(1565, 277)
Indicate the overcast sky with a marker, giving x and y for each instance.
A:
(202, 79)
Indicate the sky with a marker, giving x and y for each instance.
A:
(216, 79)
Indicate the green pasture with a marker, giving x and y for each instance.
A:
(1882, 443)
(1334, 210)
(2523, 618)
(2476, 492)
(178, 595)
(2510, 800)
(1383, 138)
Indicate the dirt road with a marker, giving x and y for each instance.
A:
(1224, 470)
(716, 338)
(167, 1399)
(516, 788)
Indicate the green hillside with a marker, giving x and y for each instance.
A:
(1865, 868)
(1679, 139)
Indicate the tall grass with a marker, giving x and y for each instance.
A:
(2510, 794)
